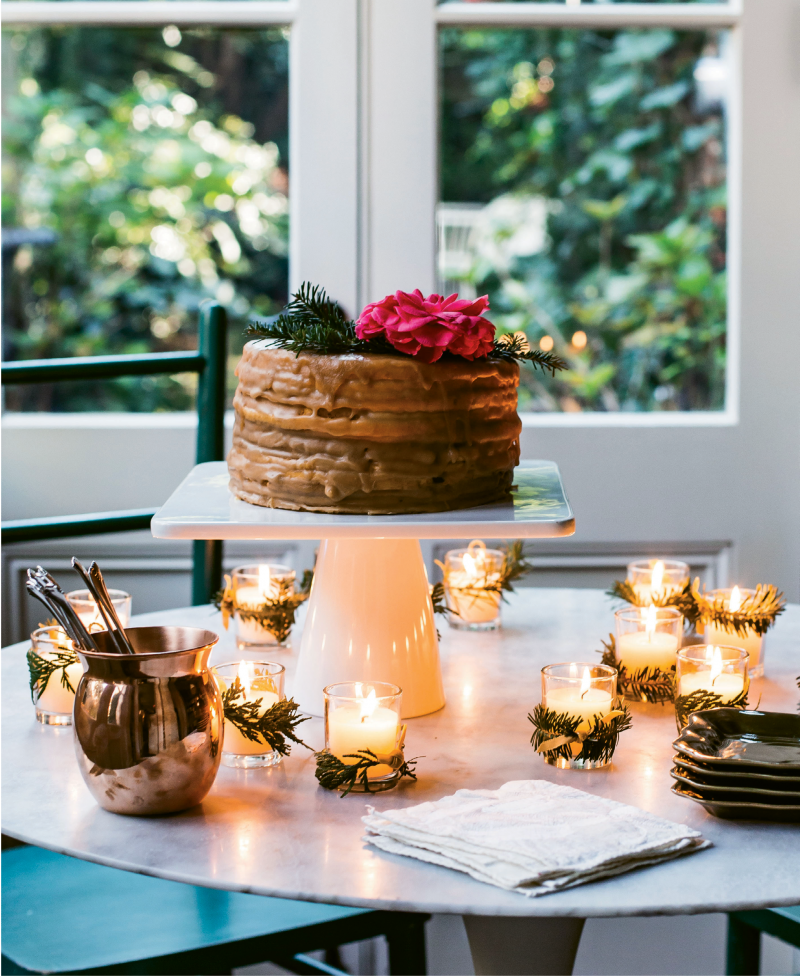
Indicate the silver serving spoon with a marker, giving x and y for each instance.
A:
(118, 639)
(107, 608)
(40, 584)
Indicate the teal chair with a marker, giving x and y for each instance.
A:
(209, 361)
(62, 915)
(744, 936)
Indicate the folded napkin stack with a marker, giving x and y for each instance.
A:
(531, 836)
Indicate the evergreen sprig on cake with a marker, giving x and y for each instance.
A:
(426, 328)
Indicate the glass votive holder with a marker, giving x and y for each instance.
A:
(260, 686)
(83, 603)
(55, 672)
(648, 638)
(472, 587)
(364, 715)
(736, 599)
(710, 676)
(657, 578)
(581, 693)
(254, 587)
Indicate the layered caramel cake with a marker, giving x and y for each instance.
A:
(372, 434)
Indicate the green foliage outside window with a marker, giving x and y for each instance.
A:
(605, 133)
(158, 198)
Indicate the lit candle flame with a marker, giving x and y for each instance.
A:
(650, 622)
(264, 582)
(368, 704)
(716, 663)
(657, 579)
(244, 679)
(586, 682)
(735, 601)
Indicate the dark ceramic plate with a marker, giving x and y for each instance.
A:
(755, 777)
(741, 809)
(734, 788)
(732, 738)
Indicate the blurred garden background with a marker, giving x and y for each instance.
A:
(582, 180)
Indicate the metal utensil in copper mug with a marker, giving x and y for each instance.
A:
(148, 726)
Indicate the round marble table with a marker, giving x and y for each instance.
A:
(276, 832)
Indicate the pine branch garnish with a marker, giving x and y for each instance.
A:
(501, 581)
(516, 348)
(273, 728)
(758, 611)
(702, 699)
(312, 322)
(274, 615)
(40, 669)
(682, 600)
(646, 685)
(572, 738)
(333, 774)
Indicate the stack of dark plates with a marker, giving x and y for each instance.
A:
(741, 764)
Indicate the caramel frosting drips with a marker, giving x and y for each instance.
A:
(372, 434)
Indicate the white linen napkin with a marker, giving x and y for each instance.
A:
(531, 836)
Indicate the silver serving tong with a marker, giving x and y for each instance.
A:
(97, 587)
(41, 585)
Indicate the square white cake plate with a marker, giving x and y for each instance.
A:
(370, 616)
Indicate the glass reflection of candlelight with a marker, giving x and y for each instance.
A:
(735, 601)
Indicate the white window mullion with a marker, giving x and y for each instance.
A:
(323, 133)
(597, 15)
(156, 13)
(400, 132)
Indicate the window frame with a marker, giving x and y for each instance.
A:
(363, 76)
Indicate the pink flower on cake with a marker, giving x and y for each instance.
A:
(427, 327)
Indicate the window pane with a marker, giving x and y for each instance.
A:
(144, 170)
(583, 188)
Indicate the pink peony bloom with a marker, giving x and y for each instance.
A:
(426, 327)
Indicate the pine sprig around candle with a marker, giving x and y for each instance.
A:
(757, 612)
(514, 566)
(646, 685)
(682, 600)
(333, 774)
(312, 322)
(273, 728)
(41, 670)
(702, 699)
(572, 738)
(275, 615)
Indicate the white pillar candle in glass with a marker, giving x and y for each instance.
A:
(54, 702)
(579, 690)
(84, 604)
(472, 586)
(252, 587)
(657, 578)
(648, 637)
(753, 643)
(361, 715)
(260, 682)
(717, 669)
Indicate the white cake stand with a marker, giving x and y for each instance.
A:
(370, 616)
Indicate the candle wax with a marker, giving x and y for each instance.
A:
(642, 650)
(233, 741)
(349, 730)
(55, 697)
(727, 686)
(569, 701)
(644, 592)
(751, 642)
(473, 607)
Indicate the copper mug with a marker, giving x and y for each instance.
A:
(148, 727)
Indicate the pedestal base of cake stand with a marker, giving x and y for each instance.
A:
(370, 618)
